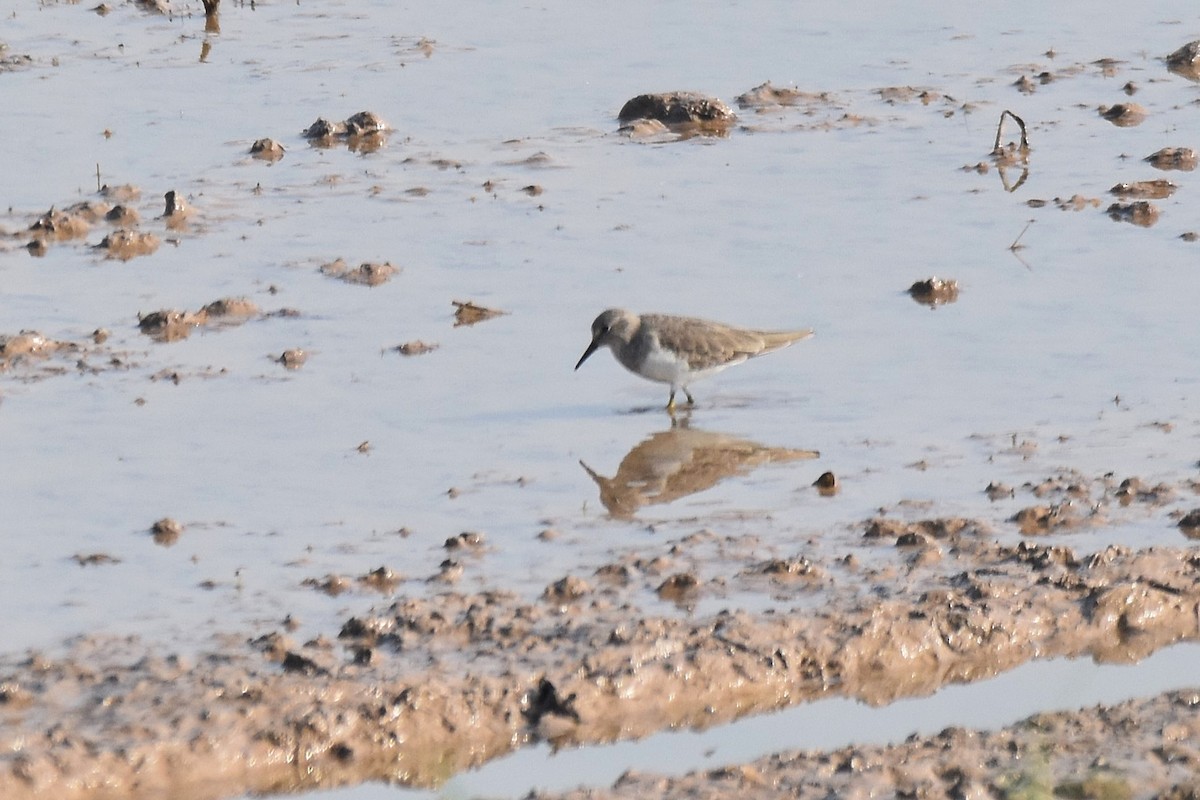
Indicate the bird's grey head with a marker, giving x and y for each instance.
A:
(614, 326)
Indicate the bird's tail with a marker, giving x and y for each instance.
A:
(777, 340)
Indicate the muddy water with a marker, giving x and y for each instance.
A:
(1065, 365)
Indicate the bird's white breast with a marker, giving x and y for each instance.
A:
(664, 365)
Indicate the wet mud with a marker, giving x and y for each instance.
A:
(430, 686)
(425, 678)
(1142, 748)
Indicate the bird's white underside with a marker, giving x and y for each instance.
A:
(664, 366)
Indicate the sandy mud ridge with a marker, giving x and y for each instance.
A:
(430, 686)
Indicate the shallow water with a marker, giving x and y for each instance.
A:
(822, 725)
(1079, 347)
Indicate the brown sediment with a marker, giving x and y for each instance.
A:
(1140, 748)
(434, 685)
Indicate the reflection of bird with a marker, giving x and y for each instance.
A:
(679, 350)
(678, 462)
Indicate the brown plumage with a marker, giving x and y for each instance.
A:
(679, 350)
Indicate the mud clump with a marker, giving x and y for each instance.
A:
(170, 325)
(1123, 115)
(1185, 61)
(229, 308)
(125, 244)
(167, 325)
(1142, 213)
(59, 226)
(1179, 158)
(122, 193)
(267, 150)
(766, 96)
(415, 348)
(468, 313)
(366, 274)
(122, 215)
(361, 132)
(827, 484)
(295, 358)
(679, 110)
(1190, 524)
(1149, 190)
(166, 531)
(934, 291)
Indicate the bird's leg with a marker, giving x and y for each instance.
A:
(671, 401)
(691, 400)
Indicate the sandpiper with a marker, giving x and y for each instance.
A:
(680, 350)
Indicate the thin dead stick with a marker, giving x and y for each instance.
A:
(996, 149)
(1015, 246)
(98, 187)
